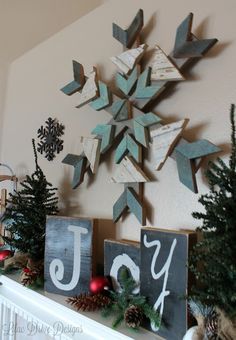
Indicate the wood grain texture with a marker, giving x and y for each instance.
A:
(121, 110)
(90, 89)
(163, 68)
(121, 254)
(128, 172)
(186, 171)
(164, 277)
(164, 138)
(106, 131)
(104, 98)
(127, 37)
(127, 60)
(126, 85)
(128, 145)
(92, 147)
(61, 246)
(78, 82)
(186, 46)
(144, 89)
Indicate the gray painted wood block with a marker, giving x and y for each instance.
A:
(164, 277)
(69, 254)
(118, 254)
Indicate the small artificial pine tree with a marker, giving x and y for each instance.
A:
(25, 217)
(213, 260)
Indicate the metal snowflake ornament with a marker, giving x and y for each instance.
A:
(132, 121)
(50, 143)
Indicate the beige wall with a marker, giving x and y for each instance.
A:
(33, 95)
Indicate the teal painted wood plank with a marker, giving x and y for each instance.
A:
(148, 119)
(104, 98)
(121, 150)
(135, 205)
(117, 106)
(197, 149)
(134, 149)
(185, 46)
(120, 206)
(107, 132)
(127, 85)
(186, 172)
(144, 89)
(78, 82)
(141, 134)
(120, 110)
(79, 163)
(127, 37)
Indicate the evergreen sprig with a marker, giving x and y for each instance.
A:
(25, 216)
(121, 301)
(213, 259)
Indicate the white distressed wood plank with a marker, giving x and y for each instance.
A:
(128, 59)
(128, 172)
(164, 138)
(163, 68)
(90, 89)
(92, 147)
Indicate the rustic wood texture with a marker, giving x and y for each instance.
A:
(90, 90)
(104, 98)
(185, 46)
(163, 68)
(122, 254)
(128, 145)
(78, 82)
(126, 85)
(129, 200)
(68, 255)
(121, 110)
(164, 138)
(127, 60)
(127, 37)
(186, 154)
(92, 147)
(128, 172)
(141, 124)
(144, 89)
(79, 163)
(107, 132)
(164, 277)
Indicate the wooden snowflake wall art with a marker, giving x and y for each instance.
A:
(132, 122)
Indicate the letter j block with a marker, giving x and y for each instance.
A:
(69, 253)
(165, 278)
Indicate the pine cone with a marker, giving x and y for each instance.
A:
(89, 302)
(211, 325)
(133, 316)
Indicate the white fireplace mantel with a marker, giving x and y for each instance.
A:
(27, 314)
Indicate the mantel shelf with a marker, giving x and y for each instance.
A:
(48, 309)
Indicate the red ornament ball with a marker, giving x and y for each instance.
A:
(98, 283)
(4, 254)
(26, 270)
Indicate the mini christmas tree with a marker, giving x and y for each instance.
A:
(213, 260)
(25, 217)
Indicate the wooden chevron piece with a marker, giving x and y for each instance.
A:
(79, 163)
(129, 200)
(141, 125)
(127, 37)
(106, 131)
(104, 98)
(164, 139)
(121, 110)
(186, 46)
(127, 60)
(91, 148)
(90, 89)
(144, 89)
(186, 154)
(163, 68)
(128, 145)
(78, 82)
(127, 85)
(129, 172)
